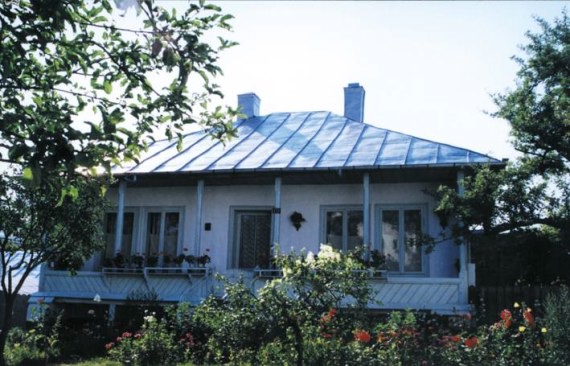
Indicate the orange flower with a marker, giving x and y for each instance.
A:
(362, 336)
(528, 317)
(471, 342)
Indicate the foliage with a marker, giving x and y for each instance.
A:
(557, 313)
(40, 225)
(152, 345)
(38, 343)
(80, 90)
(533, 190)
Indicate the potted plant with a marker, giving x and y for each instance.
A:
(152, 260)
(138, 260)
(119, 260)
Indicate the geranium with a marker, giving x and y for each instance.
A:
(471, 342)
(528, 317)
(126, 335)
(108, 346)
(506, 316)
(362, 336)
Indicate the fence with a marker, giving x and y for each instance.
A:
(490, 300)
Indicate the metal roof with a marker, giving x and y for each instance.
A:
(299, 140)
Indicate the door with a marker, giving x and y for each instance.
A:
(253, 239)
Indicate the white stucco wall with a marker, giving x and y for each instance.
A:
(218, 202)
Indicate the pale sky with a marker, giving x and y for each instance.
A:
(427, 67)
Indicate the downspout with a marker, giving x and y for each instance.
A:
(198, 223)
(120, 216)
(463, 271)
(366, 210)
(276, 213)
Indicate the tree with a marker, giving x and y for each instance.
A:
(80, 93)
(39, 226)
(533, 191)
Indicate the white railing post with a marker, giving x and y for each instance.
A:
(276, 213)
(120, 216)
(198, 223)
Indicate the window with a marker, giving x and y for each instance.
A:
(400, 234)
(128, 237)
(162, 233)
(252, 239)
(343, 227)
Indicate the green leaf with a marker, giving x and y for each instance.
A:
(27, 174)
(107, 87)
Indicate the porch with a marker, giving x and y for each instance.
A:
(172, 285)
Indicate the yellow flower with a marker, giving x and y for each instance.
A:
(543, 330)
(522, 329)
(517, 305)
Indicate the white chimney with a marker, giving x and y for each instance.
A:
(249, 104)
(354, 102)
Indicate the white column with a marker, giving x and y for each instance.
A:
(120, 216)
(366, 209)
(198, 224)
(276, 212)
(463, 272)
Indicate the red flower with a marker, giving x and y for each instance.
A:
(362, 336)
(506, 316)
(326, 335)
(527, 315)
(471, 342)
(108, 346)
(455, 338)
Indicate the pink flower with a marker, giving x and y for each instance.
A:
(108, 346)
(127, 335)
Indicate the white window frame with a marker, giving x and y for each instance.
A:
(345, 209)
(423, 208)
(136, 214)
(163, 210)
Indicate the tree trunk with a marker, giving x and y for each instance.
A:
(298, 343)
(6, 325)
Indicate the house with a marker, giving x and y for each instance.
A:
(342, 181)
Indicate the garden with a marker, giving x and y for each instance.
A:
(315, 314)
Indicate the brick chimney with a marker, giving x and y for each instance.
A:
(249, 104)
(354, 102)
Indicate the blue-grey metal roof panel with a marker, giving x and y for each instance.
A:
(300, 140)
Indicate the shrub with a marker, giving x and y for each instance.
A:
(557, 314)
(152, 345)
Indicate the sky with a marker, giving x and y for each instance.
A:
(428, 68)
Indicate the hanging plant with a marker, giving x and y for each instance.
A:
(297, 218)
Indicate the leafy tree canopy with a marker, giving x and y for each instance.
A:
(79, 90)
(535, 189)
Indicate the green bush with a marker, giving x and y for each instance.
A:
(152, 345)
(557, 314)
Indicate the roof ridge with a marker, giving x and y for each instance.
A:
(240, 141)
(310, 139)
(264, 140)
(346, 122)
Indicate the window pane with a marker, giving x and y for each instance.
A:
(127, 240)
(334, 229)
(412, 236)
(355, 229)
(171, 234)
(152, 234)
(390, 234)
